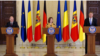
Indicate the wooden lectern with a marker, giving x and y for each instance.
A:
(50, 41)
(91, 40)
(10, 41)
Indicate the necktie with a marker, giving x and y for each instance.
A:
(90, 21)
(11, 24)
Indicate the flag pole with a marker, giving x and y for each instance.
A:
(22, 47)
(36, 47)
(82, 45)
(45, 46)
(30, 47)
(74, 46)
(66, 45)
(58, 47)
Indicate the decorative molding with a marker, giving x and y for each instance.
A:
(95, 10)
(7, 1)
(6, 17)
(9, 10)
(93, 2)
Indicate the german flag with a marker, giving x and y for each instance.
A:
(81, 32)
(74, 28)
(44, 21)
(29, 24)
(65, 24)
(37, 34)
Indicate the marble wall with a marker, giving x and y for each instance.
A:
(51, 12)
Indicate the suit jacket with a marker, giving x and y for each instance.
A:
(87, 23)
(12, 25)
(48, 25)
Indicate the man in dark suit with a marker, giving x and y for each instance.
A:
(91, 21)
(12, 23)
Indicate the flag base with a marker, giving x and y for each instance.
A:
(36, 47)
(58, 47)
(66, 47)
(29, 47)
(82, 47)
(73, 47)
(45, 47)
(22, 47)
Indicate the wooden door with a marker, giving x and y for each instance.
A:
(94, 6)
(1, 36)
(7, 9)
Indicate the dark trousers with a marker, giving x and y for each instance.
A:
(86, 44)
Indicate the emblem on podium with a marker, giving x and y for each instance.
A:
(9, 30)
(51, 30)
(92, 29)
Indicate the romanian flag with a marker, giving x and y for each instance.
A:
(23, 24)
(44, 21)
(65, 24)
(59, 36)
(37, 34)
(74, 28)
(29, 24)
(81, 33)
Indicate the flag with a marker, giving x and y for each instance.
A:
(44, 21)
(29, 24)
(65, 24)
(23, 24)
(59, 36)
(74, 28)
(37, 34)
(81, 33)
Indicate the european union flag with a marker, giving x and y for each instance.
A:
(75, 9)
(59, 36)
(23, 24)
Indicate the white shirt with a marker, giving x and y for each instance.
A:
(11, 23)
(90, 19)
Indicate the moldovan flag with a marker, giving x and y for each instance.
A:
(44, 21)
(81, 32)
(65, 24)
(29, 24)
(37, 34)
(23, 24)
(74, 28)
(59, 36)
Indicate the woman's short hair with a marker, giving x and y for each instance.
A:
(50, 19)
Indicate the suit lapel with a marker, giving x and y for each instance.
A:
(93, 21)
(11, 24)
(88, 22)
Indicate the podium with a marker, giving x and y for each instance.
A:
(50, 41)
(9, 41)
(91, 40)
